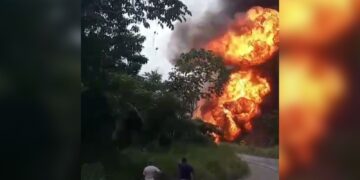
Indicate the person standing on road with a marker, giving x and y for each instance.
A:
(151, 172)
(186, 171)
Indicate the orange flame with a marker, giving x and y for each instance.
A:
(251, 40)
(238, 105)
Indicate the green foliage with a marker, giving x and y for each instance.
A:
(125, 89)
(141, 110)
(209, 162)
(113, 97)
(153, 81)
(158, 114)
(197, 74)
(110, 38)
(164, 119)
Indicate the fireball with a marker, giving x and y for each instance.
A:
(238, 104)
(250, 40)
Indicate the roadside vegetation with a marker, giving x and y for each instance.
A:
(210, 162)
(269, 152)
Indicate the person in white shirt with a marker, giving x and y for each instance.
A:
(151, 172)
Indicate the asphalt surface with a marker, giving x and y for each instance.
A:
(261, 168)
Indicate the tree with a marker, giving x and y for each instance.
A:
(110, 38)
(197, 74)
(111, 60)
(153, 81)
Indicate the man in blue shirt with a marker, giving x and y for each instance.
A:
(186, 172)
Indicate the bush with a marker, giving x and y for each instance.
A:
(209, 162)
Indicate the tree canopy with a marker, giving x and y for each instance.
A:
(114, 97)
(110, 33)
(197, 74)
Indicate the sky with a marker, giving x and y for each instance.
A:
(157, 39)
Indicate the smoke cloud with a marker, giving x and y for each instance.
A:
(195, 33)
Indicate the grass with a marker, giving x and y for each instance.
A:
(269, 152)
(209, 162)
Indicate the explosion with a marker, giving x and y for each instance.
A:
(250, 40)
(239, 103)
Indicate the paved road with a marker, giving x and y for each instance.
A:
(261, 168)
